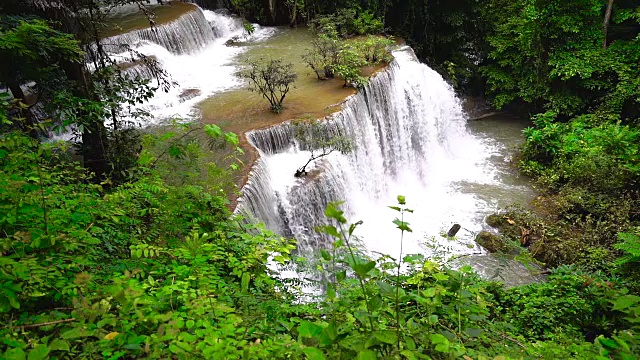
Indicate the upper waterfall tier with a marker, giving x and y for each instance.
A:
(187, 34)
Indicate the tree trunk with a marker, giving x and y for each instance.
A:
(94, 133)
(605, 26)
(294, 14)
(29, 124)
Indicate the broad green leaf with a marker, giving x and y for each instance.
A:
(386, 289)
(444, 348)
(410, 344)
(625, 301)
(375, 302)
(39, 352)
(213, 131)
(314, 353)
(386, 336)
(75, 333)
(309, 329)
(14, 354)
(438, 339)
(429, 292)
(414, 258)
(332, 212)
(362, 269)
(402, 225)
(366, 355)
(325, 255)
(410, 355)
(473, 332)
(331, 291)
(329, 230)
(231, 139)
(608, 343)
(328, 335)
(12, 343)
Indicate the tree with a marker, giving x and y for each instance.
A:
(556, 48)
(605, 26)
(323, 56)
(319, 138)
(350, 61)
(374, 49)
(31, 51)
(98, 90)
(272, 79)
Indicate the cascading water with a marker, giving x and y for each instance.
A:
(189, 33)
(192, 51)
(410, 138)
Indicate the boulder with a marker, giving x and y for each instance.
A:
(490, 241)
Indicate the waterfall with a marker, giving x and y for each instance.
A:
(223, 24)
(410, 138)
(188, 34)
(192, 50)
(210, 4)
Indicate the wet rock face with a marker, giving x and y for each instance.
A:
(490, 241)
(189, 94)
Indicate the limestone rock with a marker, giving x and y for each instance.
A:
(490, 241)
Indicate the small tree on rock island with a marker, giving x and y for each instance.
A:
(320, 140)
(323, 56)
(272, 79)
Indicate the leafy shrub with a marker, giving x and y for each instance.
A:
(349, 22)
(604, 157)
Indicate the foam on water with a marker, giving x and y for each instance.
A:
(193, 52)
(410, 138)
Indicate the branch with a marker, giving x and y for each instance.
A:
(605, 27)
(49, 323)
(168, 147)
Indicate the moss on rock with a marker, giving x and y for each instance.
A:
(490, 241)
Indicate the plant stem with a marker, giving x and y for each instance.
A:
(398, 283)
(364, 292)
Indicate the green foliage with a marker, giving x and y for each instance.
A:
(153, 270)
(249, 28)
(350, 61)
(629, 244)
(321, 139)
(375, 49)
(127, 273)
(189, 153)
(593, 163)
(588, 151)
(579, 303)
(272, 79)
(330, 56)
(322, 57)
(555, 48)
(31, 50)
(349, 22)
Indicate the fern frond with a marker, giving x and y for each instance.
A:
(630, 244)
